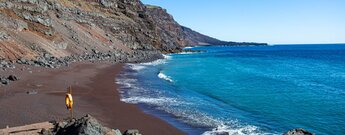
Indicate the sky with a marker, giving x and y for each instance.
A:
(268, 21)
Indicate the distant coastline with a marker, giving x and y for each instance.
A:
(231, 43)
(314, 44)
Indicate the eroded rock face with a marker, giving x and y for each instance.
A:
(298, 131)
(172, 33)
(31, 28)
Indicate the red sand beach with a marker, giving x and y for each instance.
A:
(39, 96)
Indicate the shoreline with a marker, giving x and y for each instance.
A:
(94, 90)
(128, 73)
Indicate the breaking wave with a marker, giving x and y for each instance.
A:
(188, 52)
(136, 67)
(245, 130)
(157, 62)
(188, 47)
(165, 77)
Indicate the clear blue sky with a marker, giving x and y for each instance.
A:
(272, 21)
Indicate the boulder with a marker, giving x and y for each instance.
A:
(106, 3)
(132, 132)
(116, 132)
(4, 81)
(298, 131)
(46, 132)
(86, 125)
(4, 35)
(12, 78)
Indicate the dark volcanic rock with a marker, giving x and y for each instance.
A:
(86, 125)
(46, 132)
(4, 81)
(298, 131)
(12, 78)
(4, 64)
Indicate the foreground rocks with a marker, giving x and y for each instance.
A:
(298, 131)
(86, 125)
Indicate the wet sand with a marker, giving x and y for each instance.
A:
(39, 96)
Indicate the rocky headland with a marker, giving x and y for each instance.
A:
(52, 33)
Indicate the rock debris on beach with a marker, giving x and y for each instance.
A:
(7, 80)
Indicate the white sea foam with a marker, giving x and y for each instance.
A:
(245, 130)
(141, 66)
(151, 101)
(128, 83)
(187, 52)
(188, 47)
(157, 62)
(136, 67)
(167, 56)
(188, 114)
(165, 77)
(195, 118)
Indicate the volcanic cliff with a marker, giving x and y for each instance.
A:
(65, 30)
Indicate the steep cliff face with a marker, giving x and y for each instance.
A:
(61, 28)
(173, 34)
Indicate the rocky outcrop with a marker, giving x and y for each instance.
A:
(72, 30)
(173, 34)
(298, 131)
(86, 125)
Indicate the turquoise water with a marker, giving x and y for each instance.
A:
(244, 90)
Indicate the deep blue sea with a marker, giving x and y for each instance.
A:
(243, 90)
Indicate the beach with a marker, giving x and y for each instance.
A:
(39, 94)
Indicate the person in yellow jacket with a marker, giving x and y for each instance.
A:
(69, 101)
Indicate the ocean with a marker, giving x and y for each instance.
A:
(250, 90)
